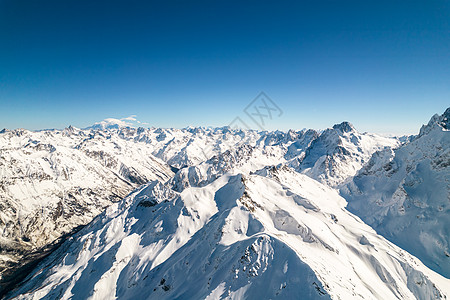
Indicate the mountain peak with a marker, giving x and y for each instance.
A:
(436, 121)
(445, 119)
(344, 127)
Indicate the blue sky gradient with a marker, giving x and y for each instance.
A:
(382, 65)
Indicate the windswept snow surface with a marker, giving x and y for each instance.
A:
(273, 234)
(404, 194)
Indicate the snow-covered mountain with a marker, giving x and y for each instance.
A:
(404, 194)
(339, 153)
(273, 234)
(331, 156)
(55, 180)
(249, 213)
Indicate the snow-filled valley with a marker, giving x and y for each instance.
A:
(212, 213)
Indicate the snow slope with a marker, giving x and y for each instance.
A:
(273, 234)
(405, 194)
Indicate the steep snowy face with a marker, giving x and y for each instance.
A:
(338, 153)
(436, 122)
(273, 234)
(52, 181)
(244, 158)
(300, 144)
(405, 194)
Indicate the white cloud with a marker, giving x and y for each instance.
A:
(130, 121)
(130, 118)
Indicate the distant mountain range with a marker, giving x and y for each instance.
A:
(207, 213)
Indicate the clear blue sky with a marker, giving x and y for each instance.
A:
(382, 65)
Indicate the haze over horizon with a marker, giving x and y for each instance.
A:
(133, 122)
(381, 65)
